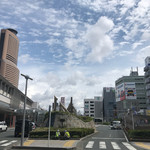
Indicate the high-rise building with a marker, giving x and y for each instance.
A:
(109, 104)
(147, 80)
(9, 46)
(130, 93)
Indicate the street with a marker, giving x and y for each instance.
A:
(7, 139)
(106, 139)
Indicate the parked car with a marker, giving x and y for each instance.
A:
(3, 126)
(115, 125)
(33, 125)
(18, 128)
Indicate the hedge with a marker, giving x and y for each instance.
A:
(139, 134)
(74, 132)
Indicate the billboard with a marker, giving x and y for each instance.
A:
(120, 93)
(130, 90)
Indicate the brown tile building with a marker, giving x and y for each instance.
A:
(9, 46)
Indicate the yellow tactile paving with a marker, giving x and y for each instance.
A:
(142, 145)
(69, 143)
(28, 142)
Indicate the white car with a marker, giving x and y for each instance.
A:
(3, 126)
(115, 125)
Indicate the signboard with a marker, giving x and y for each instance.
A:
(130, 91)
(120, 93)
(147, 112)
(107, 89)
(63, 100)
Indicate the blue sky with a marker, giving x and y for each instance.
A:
(74, 48)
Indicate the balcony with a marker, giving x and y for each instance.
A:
(147, 80)
(148, 87)
(147, 74)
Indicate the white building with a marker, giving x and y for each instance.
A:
(94, 108)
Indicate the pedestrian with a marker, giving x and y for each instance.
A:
(58, 134)
(67, 135)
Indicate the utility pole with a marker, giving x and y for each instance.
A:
(49, 125)
(24, 110)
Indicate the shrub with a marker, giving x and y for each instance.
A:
(139, 134)
(74, 132)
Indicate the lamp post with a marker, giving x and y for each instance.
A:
(24, 110)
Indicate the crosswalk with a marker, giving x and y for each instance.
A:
(115, 145)
(4, 143)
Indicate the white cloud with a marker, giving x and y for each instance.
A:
(23, 59)
(135, 45)
(99, 40)
(142, 54)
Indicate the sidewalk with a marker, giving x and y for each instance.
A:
(145, 145)
(44, 144)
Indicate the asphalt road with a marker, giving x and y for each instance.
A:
(7, 139)
(106, 139)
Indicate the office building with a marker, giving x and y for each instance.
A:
(9, 45)
(147, 80)
(109, 104)
(130, 93)
(94, 108)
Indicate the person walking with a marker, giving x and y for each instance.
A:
(58, 134)
(67, 135)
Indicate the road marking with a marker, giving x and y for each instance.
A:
(102, 145)
(90, 144)
(28, 142)
(115, 145)
(142, 145)
(3, 141)
(6, 144)
(125, 137)
(96, 138)
(69, 143)
(129, 146)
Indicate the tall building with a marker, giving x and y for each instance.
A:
(9, 46)
(130, 93)
(94, 108)
(147, 80)
(109, 104)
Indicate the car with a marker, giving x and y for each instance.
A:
(3, 126)
(33, 125)
(115, 125)
(18, 128)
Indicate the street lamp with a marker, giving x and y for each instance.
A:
(24, 110)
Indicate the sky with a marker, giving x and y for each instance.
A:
(74, 48)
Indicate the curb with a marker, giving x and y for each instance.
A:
(41, 148)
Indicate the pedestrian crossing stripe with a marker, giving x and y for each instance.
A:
(102, 145)
(115, 145)
(8, 143)
(130, 147)
(3, 141)
(90, 144)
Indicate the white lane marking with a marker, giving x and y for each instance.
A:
(96, 138)
(102, 145)
(129, 146)
(6, 144)
(115, 145)
(3, 141)
(125, 136)
(90, 144)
